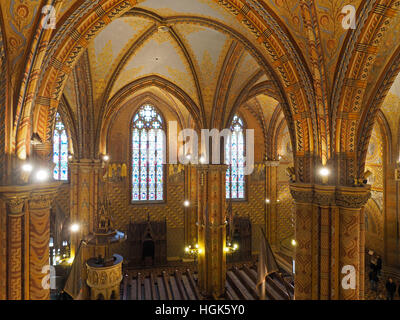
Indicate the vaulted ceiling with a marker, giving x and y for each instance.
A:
(212, 56)
(199, 49)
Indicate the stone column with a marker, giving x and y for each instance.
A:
(212, 229)
(191, 211)
(271, 172)
(330, 235)
(85, 178)
(391, 256)
(39, 237)
(351, 202)
(15, 218)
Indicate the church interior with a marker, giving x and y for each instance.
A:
(96, 99)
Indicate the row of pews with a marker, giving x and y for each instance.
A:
(240, 284)
(178, 286)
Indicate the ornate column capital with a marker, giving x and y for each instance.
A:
(325, 195)
(302, 193)
(15, 206)
(271, 163)
(352, 197)
(14, 197)
(86, 164)
(42, 195)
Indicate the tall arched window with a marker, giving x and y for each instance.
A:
(147, 155)
(234, 158)
(60, 150)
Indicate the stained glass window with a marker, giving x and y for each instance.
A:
(60, 150)
(147, 155)
(235, 159)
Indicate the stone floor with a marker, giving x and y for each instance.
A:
(381, 293)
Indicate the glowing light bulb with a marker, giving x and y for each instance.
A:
(106, 157)
(202, 159)
(27, 167)
(74, 227)
(324, 172)
(186, 203)
(42, 175)
(267, 200)
(294, 243)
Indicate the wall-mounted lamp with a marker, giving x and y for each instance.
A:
(27, 167)
(74, 227)
(324, 172)
(42, 175)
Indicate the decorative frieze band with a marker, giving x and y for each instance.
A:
(347, 197)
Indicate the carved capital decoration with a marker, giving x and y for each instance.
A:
(324, 199)
(39, 202)
(352, 200)
(15, 206)
(302, 193)
(347, 197)
(270, 163)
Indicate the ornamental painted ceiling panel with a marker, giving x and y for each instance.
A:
(107, 49)
(388, 45)
(19, 18)
(201, 8)
(208, 49)
(332, 33)
(290, 13)
(245, 71)
(160, 55)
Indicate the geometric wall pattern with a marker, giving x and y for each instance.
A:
(285, 213)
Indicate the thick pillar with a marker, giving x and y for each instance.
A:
(15, 223)
(26, 213)
(191, 210)
(271, 172)
(85, 179)
(330, 235)
(39, 237)
(212, 229)
(391, 221)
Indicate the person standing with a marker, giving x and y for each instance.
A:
(379, 265)
(373, 278)
(390, 289)
(372, 265)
